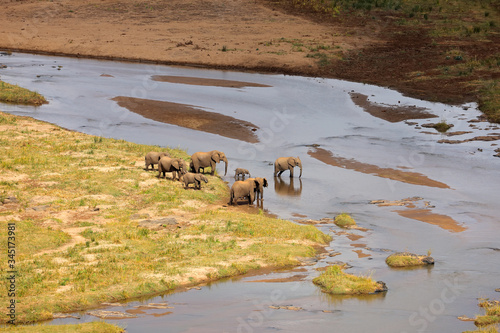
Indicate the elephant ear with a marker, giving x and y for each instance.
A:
(175, 164)
(265, 182)
(256, 183)
(216, 157)
(291, 161)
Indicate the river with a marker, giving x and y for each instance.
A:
(347, 154)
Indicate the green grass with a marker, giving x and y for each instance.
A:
(489, 100)
(92, 327)
(442, 126)
(335, 281)
(404, 259)
(344, 220)
(11, 93)
(113, 258)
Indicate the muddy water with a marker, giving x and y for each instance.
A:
(296, 116)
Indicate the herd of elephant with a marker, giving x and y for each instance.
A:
(251, 188)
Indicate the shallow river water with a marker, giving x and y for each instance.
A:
(345, 153)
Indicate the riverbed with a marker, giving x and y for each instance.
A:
(352, 154)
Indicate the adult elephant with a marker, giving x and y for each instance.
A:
(207, 159)
(287, 163)
(176, 166)
(152, 158)
(243, 189)
(259, 191)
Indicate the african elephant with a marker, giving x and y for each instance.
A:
(259, 191)
(176, 166)
(193, 178)
(207, 159)
(242, 189)
(242, 172)
(287, 163)
(152, 158)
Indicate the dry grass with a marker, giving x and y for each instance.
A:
(78, 241)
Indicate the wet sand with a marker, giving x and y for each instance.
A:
(425, 215)
(197, 81)
(415, 178)
(391, 113)
(190, 116)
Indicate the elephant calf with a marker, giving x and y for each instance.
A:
(242, 172)
(152, 158)
(193, 178)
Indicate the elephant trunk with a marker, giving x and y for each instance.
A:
(225, 161)
(300, 166)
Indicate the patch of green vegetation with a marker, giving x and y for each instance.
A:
(489, 100)
(442, 126)
(405, 259)
(92, 327)
(113, 258)
(344, 220)
(335, 281)
(11, 93)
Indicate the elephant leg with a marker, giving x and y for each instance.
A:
(280, 172)
(291, 172)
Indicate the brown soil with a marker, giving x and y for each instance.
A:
(190, 117)
(251, 35)
(391, 113)
(416, 178)
(206, 82)
(425, 215)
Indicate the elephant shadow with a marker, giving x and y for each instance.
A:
(282, 187)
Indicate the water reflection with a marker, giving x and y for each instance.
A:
(282, 187)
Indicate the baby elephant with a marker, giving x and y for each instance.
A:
(193, 178)
(152, 158)
(242, 172)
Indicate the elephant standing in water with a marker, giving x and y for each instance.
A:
(152, 158)
(177, 166)
(243, 189)
(241, 172)
(202, 160)
(287, 163)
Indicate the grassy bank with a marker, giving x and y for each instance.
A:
(79, 204)
(11, 93)
(92, 327)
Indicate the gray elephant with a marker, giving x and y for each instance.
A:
(193, 178)
(259, 191)
(176, 166)
(242, 172)
(287, 163)
(152, 158)
(243, 189)
(202, 160)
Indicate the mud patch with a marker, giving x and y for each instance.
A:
(198, 81)
(425, 215)
(190, 116)
(415, 178)
(391, 113)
